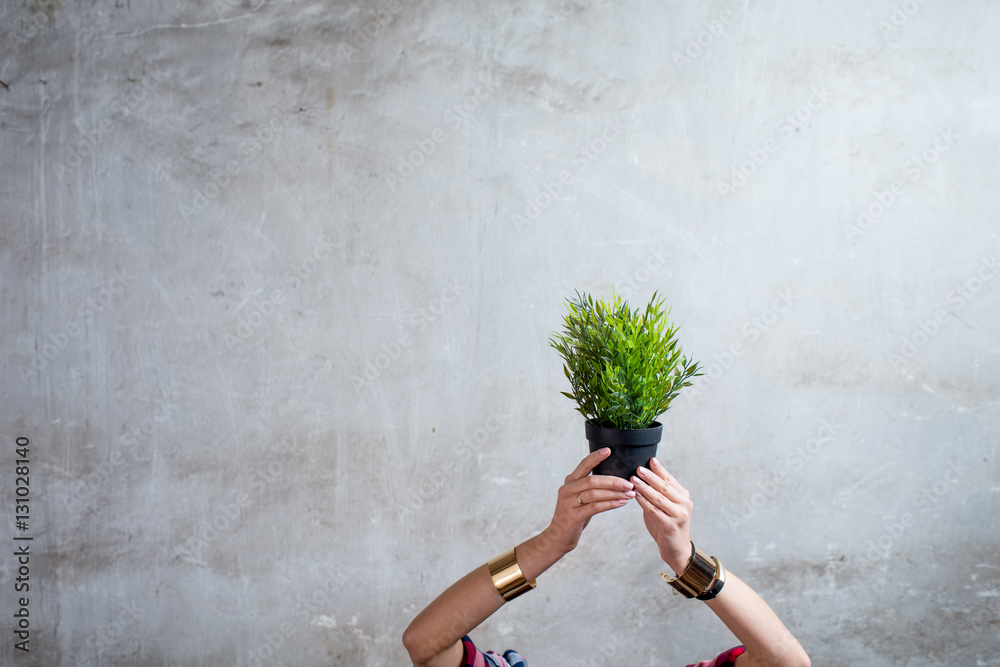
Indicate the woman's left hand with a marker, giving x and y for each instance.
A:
(666, 511)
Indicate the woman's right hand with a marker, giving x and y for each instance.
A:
(581, 497)
(433, 638)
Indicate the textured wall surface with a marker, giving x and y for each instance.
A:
(277, 281)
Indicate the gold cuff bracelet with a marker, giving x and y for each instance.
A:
(702, 578)
(507, 576)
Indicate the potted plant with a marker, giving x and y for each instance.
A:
(625, 367)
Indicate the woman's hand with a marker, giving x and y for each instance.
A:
(581, 497)
(433, 638)
(666, 511)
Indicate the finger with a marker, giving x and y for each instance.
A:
(588, 496)
(648, 507)
(599, 482)
(655, 498)
(657, 482)
(610, 481)
(642, 499)
(643, 490)
(604, 506)
(652, 510)
(588, 463)
(658, 468)
(653, 480)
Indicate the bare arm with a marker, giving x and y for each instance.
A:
(765, 637)
(666, 511)
(433, 638)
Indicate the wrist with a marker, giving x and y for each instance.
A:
(677, 566)
(702, 578)
(539, 553)
(552, 543)
(508, 577)
(678, 559)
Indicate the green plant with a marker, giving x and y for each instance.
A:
(624, 366)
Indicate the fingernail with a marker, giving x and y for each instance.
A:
(643, 471)
(630, 494)
(622, 501)
(635, 480)
(605, 450)
(654, 461)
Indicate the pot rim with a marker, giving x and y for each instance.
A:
(621, 437)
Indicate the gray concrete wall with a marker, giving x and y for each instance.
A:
(277, 281)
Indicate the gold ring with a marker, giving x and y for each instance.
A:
(578, 498)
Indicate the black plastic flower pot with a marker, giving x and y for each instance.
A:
(630, 448)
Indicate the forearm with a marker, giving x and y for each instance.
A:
(433, 639)
(767, 640)
(666, 508)
(432, 635)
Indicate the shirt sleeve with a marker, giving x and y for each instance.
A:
(475, 658)
(724, 659)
